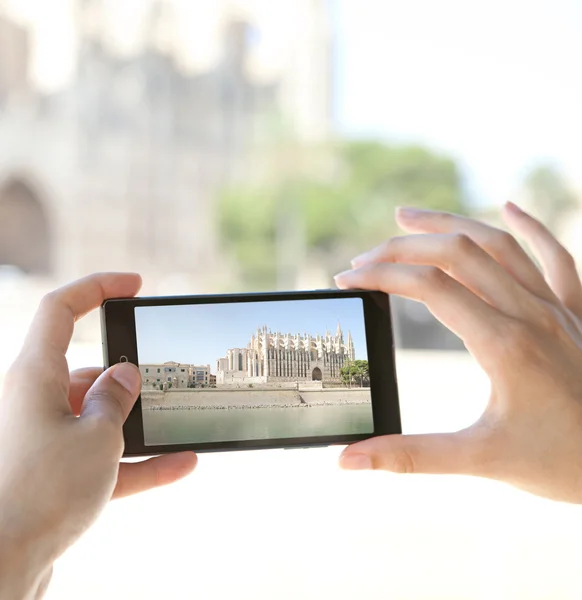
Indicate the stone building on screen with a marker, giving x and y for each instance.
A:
(175, 375)
(277, 358)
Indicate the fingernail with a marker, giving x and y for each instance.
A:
(514, 208)
(128, 376)
(359, 260)
(408, 212)
(355, 462)
(343, 274)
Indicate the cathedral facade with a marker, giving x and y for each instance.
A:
(276, 358)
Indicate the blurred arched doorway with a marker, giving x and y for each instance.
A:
(24, 229)
(316, 374)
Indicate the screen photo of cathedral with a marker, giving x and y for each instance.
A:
(210, 374)
(272, 358)
(220, 346)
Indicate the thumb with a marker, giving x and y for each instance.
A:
(114, 393)
(451, 453)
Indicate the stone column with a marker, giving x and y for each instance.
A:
(266, 360)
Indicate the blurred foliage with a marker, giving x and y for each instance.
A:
(342, 206)
(549, 196)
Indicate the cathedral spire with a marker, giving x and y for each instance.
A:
(350, 347)
(338, 332)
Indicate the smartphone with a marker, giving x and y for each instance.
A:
(251, 371)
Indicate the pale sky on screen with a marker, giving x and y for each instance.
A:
(201, 334)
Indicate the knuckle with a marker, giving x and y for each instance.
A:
(113, 405)
(498, 243)
(371, 275)
(396, 249)
(519, 333)
(434, 277)
(457, 248)
(443, 217)
(401, 461)
(388, 244)
(462, 243)
(157, 476)
(391, 247)
(48, 300)
(504, 242)
(547, 320)
(519, 340)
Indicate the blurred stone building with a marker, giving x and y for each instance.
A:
(119, 169)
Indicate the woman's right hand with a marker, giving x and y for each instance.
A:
(524, 329)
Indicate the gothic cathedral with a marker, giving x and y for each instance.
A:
(277, 358)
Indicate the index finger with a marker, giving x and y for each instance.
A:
(52, 326)
(476, 322)
(558, 264)
(499, 244)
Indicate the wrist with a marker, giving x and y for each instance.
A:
(22, 574)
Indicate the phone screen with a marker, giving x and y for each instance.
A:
(226, 372)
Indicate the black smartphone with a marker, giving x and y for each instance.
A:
(250, 371)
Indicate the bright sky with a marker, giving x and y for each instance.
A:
(202, 334)
(494, 82)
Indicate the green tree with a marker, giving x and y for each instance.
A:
(551, 199)
(356, 371)
(344, 207)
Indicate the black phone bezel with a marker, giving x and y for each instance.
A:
(119, 341)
